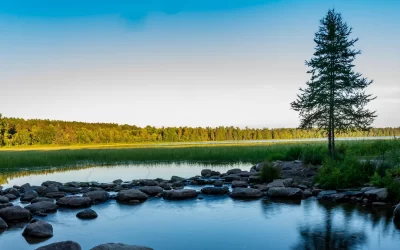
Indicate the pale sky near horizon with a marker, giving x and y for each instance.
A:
(182, 63)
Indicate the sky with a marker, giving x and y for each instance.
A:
(180, 62)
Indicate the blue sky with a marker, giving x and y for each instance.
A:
(182, 63)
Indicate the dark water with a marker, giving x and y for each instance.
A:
(218, 223)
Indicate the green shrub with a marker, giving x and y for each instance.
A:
(269, 172)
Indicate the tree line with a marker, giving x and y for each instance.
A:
(16, 131)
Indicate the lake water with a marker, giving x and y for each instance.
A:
(210, 223)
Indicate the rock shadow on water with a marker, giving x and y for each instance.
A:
(272, 207)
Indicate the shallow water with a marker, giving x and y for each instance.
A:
(212, 223)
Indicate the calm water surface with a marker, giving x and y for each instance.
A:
(211, 223)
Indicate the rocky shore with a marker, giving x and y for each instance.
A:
(296, 182)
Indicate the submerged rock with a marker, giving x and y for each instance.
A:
(131, 194)
(74, 202)
(120, 246)
(246, 193)
(215, 190)
(42, 207)
(38, 229)
(15, 213)
(180, 194)
(87, 214)
(62, 245)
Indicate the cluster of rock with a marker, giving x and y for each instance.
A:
(71, 245)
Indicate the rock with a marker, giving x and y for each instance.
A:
(4, 205)
(325, 194)
(69, 189)
(206, 172)
(108, 185)
(246, 174)
(234, 171)
(303, 187)
(97, 196)
(177, 184)
(307, 193)
(51, 183)
(42, 207)
(176, 178)
(51, 189)
(29, 195)
(39, 189)
(148, 183)
(379, 194)
(134, 202)
(12, 191)
(26, 187)
(3, 224)
(261, 187)
(62, 245)
(218, 183)
(87, 214)
(39, 199)
(118, 182)
(38, 229)
(276, 183)
(236, 184)
(280, 192)
(119, 246)
(76, 184)
(166, 186)
(55, 195)
(11, 197)
(232, 177)
(339, 197)
(245, 193)
(215, 190)
(15, 214)
(396, 212)
(74, 202)
(255, 179)
(316, 191)
(131, 194)
(379, 204)
(365, 189)
(151, 190)
(179, 194)
(3, 199)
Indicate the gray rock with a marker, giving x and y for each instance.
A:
(261, 187)
(12, 191)
(39, 189)
(74, 202)
(176, 178)
(26, 187)
(62, 245)
(11, 197)
(39, 199)
(324, 194)
(379, 194)
(166, 186)
(4, 205)
(218, 183)
(69, 189)
(279, 192)
(38, 229)
(51, 183)
(396, 212)
(119, 246)
(246, 193)
(87, 214)
(246, 174)
(118, 182)
(4, 199)
(148, 183)
(108, 185)
(3, 224)
(276, 183)
(131, 194)
(15, 213)
(236, 184)
(206, 172)
(232, 177)
(97, 196)
(42, 207)
(215, 190)
(151, 190)
(180, 194)
(234, 171)
(365, 189)
(29, 195)
(255, 179)
(51, 189)
(55, 195)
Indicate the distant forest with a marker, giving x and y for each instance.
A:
(15, 131)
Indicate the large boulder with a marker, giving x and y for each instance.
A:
(378, 194)
(29, 195)
(151, 190)
(396, 212)
(176, 178)
(275, 184)
(87, 214)
(69, 189)
(215, 190)
(11, 197)
(38, 229)
(180, 194)
(119, 246)
(148, 183)
(3, 224)
(97, 196)
(55, 195)
(4, 205)
(51, 183)
(39, 199)
(236, 184)
(74, 202)
(131, 194)
(26, 187)
(12, 191)
(51, 189)
(42, 207)
(15, 213)
(245, 193)
(325, 195)
(3, 199)
(232, 177)
(279, 192)
(62, 245)
(206, 172)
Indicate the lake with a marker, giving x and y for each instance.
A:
(209, 223)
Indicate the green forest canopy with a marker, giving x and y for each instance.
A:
(51, 132)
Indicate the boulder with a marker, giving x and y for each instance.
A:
(15, 213)
(39, 189)
(206, 172)
(166, 185)
(176, 178)
(246, 193)
(42, 207)
(131, 194)
(51, 189)
(234, 171)
(119, 246)
(255, 179)
(365, 189)
(261, 187)
(38, 229)
(148, 183)
(396, 212)
(180, 194)
(11, 197)
(39, 199)
(12, 191)
(26, 187)
(232, 177)
(236, 184)
(280, 192)
(276, 183)
(55, 195)
(151, 190)
(97, 196)
(87, 214)
(4, 205)
(324, 195)
(3, 199)
(29, 195)
(307, 193)
(246, 174)
(69, 189)
(379, 194)
(118, 182)
(108, 185)
(51, 183)
(215, 190)
(62, 245)
(3, 224)
(74, 202)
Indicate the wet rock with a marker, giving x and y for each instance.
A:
(11, 197)
(75, 184)
(338, 197)
(151, 190)
(96, 189)
(148, 183)
(276, 183)
(379, 204)
(42, 207)
(365, 189)
(97, 196)
(215, 190)
(255, 179)
(87, 214)
(236, 184)
(131, 194)
(246, 193)
(119, 246)
(379, 194)
(55, 195)
(4, 205)
(15, 214)
(325, 194)
(51, 183)
(74, 202)
(26, 187)
(29, 195)
(39, 199)
(134, 202)
(177, 184)
(12, 191)
(302, 186)
(279, 192)
(307, 193)
(108, 186)
(62, 245)
(316, 191)
(218, 183)
(396, 212)
(51, 189)
(232, 177)
(179, 194)
(3, 224)
(261, 187)
(84, 184)
(39, 189)
(246, 174)
(3, 199)
(166, 186)
(118, 182)
(38, 229)
(233, 171)
(69, 189)
(206, 172)
(176, 178)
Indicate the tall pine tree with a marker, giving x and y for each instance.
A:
(334, 99)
